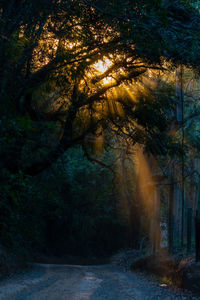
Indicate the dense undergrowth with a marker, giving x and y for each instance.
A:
(68, 211)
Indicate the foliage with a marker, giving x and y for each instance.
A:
(54, 96)
(69, 212)
(20, 212)
(50, 48)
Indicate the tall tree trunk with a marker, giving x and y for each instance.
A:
(197, 228)
(189, 228)
(171, 218)
(180, 119)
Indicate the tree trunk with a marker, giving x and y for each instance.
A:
(197, 229)
(189, 228)
(171, 219)
(180, 119)
(197, 234)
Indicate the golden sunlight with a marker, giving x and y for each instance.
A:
(102, 66)
(148, 190)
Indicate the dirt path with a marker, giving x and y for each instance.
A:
(59, 282)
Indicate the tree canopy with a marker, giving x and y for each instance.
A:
(62, 63)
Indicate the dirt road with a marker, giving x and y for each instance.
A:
(64, 282)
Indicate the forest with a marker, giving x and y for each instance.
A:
(99, 128)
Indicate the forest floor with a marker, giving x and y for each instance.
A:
(103, 282)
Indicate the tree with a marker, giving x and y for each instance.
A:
(50, 56)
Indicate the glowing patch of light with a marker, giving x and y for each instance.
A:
(102, 66)
(163, 285)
